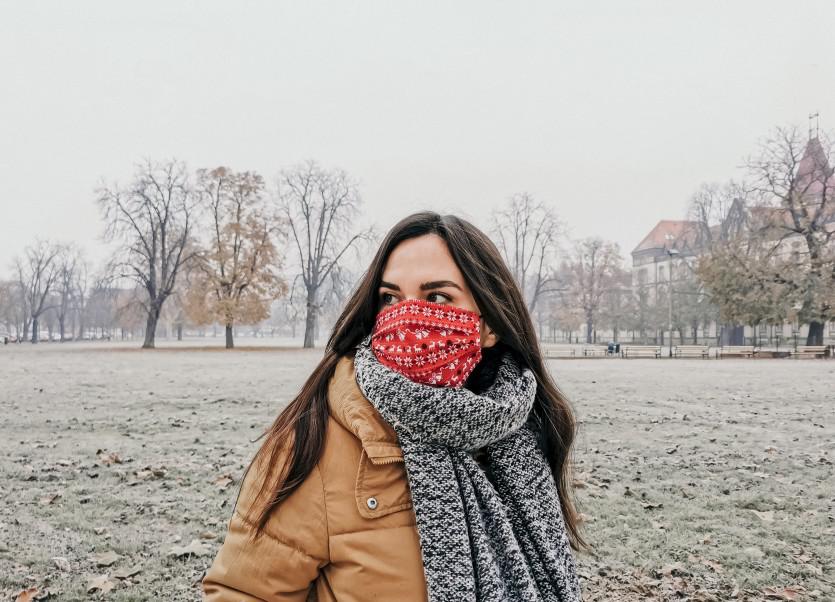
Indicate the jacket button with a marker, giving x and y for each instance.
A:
(371, 502)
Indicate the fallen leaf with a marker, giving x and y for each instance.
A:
(106, 558)
(108, 458)
(793, 592)
(27, 595)
(127, 573)
(766, 517)
(196, 547)
(48, 499)
(150, 472)
(100, 583)
(224, 480)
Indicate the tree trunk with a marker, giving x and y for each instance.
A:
(732, 335)
(230, 338)
(151, 327)
(179, 332)
(35, 330)
(815, 334)
(310, 321)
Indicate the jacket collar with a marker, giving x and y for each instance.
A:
(350, 408)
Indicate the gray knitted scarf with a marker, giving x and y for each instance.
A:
(486, 534)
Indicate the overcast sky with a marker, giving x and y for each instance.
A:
(613, 112)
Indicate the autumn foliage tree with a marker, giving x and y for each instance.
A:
(235, 275)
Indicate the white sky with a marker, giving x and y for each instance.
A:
(612, 111)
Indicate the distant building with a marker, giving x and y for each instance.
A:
(673, 246)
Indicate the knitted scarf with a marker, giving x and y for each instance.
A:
(486, 534)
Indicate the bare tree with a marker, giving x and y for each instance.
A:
(718, 212)
(70, 266)
(81, 292)
(617, 304)
(319, 206)
(9, 306)
(237, 271)
(153, 218)
(336, 291)
(593, 270)
(527, 234)
(291, 308)
(795, 180)
(37, 273)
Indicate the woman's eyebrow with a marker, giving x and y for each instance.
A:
(425, 286)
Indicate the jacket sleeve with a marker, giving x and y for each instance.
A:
(281, 565)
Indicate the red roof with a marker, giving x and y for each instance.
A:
(684, 235)
(812, 169)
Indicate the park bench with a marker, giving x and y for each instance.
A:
(640, 351)
(700, 351)
(737, 351)
(595, 351)
(560, 351)
(809, 351)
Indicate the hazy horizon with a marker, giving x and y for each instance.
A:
(612, 113)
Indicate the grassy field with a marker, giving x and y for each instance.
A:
(697, 480)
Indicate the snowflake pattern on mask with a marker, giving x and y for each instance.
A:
(428, 342)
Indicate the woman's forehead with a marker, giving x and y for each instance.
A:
(421, 259)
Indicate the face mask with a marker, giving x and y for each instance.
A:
(430, 343)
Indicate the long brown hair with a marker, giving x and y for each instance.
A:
(296, 438)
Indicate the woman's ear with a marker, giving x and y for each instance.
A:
(488, 337)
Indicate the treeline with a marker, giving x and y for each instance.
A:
(757, 251)
(768, 240)
(208, 247)
(220, 248)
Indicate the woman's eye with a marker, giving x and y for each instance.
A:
(387, 298)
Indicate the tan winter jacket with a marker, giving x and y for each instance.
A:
(347, 533)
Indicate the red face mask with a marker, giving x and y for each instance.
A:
(430, 343)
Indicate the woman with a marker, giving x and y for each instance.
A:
(427, 455)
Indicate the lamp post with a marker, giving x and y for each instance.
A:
(671, 252)
(796, 324)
